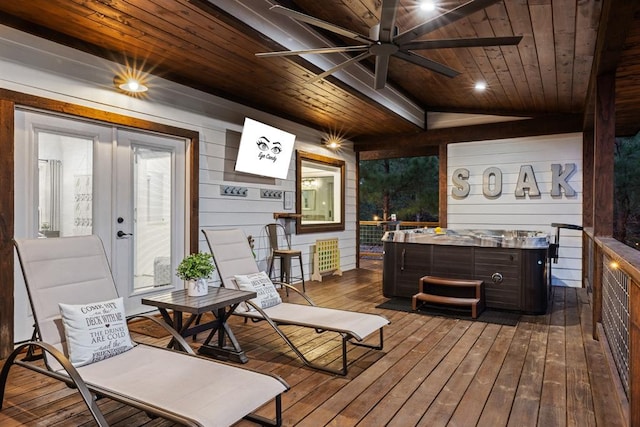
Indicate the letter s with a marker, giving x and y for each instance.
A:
(460, 179)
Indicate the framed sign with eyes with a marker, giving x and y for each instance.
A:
(264, 150)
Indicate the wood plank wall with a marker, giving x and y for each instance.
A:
(171, 109)
(527, 213)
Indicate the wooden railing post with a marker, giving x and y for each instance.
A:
(6, 227)
(597, 289)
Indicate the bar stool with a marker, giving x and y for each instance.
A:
(277, 235)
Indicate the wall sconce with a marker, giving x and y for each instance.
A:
(333, 139)
(130, 83)
(333, 143)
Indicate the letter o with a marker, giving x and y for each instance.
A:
(488, 190)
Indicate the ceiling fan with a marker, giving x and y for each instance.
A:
(384, 40)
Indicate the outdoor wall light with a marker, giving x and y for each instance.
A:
(333, 143)
(333, 139)
(134, 86)
(129, 83)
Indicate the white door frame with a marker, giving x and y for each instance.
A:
(122, 248)
(25, 192)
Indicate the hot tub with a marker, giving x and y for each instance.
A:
(511, 263)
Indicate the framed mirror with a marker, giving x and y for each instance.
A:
(320, 193)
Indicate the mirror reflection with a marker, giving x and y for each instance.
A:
(320, 193)
(49, 171)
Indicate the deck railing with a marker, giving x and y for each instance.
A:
(615, 317)
(371, 233)
(612, 271)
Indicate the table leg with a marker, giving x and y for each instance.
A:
(221, 350)
(175, 323)
(172, 324)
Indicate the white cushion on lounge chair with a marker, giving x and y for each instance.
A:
(180, 386)
(232, 255)
(260, 283)
(215, 394)
(95, 331)
(73, 270)
(359, 325)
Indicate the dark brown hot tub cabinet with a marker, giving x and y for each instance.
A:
(514, 278)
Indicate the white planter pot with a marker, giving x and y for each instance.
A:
(197, 288)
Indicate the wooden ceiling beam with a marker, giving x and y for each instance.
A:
(408, 143)
(394, 154)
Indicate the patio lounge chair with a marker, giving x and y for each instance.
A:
(233, 257)
(175, 385)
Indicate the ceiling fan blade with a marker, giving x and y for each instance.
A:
(311, 51)
(382, 69)
(454, 43)
(426, 63)
(319, 23)
(444, 19)
(339, 67)
(387, 20)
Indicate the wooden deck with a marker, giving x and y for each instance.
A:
(433, 371)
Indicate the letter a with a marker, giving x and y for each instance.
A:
(527, 181)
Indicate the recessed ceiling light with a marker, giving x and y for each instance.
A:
(428, 5)
(480, 86)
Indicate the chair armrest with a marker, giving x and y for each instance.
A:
(296, 290)
(73, 377)
(176, 336)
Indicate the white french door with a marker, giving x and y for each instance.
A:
(149, 211)
(128, 187)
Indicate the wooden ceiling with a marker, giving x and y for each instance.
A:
(201, 44)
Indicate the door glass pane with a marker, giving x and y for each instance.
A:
(152, 217)
(65, 185)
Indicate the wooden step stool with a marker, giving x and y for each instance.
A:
(444, 291)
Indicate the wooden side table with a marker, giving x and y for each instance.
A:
(221, 302)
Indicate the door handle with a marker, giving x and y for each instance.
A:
(121, 234)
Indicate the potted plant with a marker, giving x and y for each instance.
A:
(195, 269)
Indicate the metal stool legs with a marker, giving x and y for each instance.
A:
(285, 266)
(276, 234)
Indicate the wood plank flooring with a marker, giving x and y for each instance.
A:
(433, 371)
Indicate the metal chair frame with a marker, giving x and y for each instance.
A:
(274, 231)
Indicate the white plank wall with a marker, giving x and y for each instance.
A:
(526, 213)
(42, 68)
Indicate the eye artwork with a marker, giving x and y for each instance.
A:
(269, 150)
